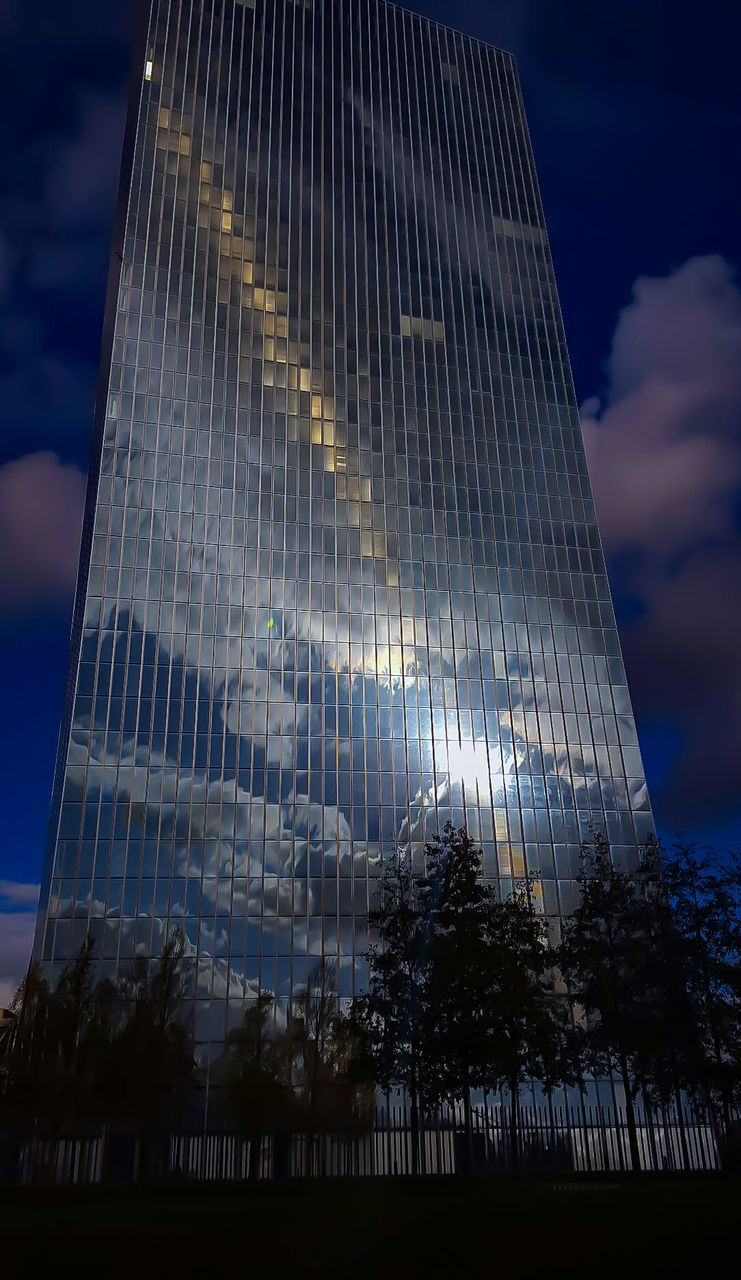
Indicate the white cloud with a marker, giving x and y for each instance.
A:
(14, 894)
(665, 451)
(665, 458)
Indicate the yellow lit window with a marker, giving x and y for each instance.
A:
(247, 273)
(306, 380)
(148, 70)
(205, 172)
(226, 222)
(518, 860)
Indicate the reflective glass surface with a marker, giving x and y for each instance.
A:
(342, 579)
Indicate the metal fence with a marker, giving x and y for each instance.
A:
(544, 1140)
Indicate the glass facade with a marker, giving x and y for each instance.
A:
(341, 576)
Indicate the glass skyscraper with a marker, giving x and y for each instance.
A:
(341, 577)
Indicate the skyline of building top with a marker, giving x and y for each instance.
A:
(414, 13)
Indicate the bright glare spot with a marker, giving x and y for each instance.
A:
(469, 761)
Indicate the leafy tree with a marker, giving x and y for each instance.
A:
(87, 1054)
(529, 1031)
(667, 1049)
(26, 1053)
(493, 1017)
(388, 1018)
(53, 1056)
(607, 957)
(461, 993)
(253, 1076)
(151, 1060)
(457, 909)
(321, 1048)
(704, 897)
(353, 1084)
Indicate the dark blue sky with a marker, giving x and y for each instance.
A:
(635, 115)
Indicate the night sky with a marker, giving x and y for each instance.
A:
(635, 114)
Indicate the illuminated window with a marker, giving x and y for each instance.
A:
(416, 327)
(148, 70)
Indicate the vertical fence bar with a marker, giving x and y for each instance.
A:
(549, 1138)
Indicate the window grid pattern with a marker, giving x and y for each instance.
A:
(345, 580)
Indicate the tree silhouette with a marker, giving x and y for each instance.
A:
(86, 1054)
(253, 1077)
(150, 1070)
(493, 1017)
(529, 1031)
(388, 1018)
(28, 1061)
(311, 1031)
(667, 1047)
(704, 898)
(607, 958)
(456, 908)
(55, 1048)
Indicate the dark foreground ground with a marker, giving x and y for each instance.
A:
(436, 1227)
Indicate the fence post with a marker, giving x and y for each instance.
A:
(648, 1115)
